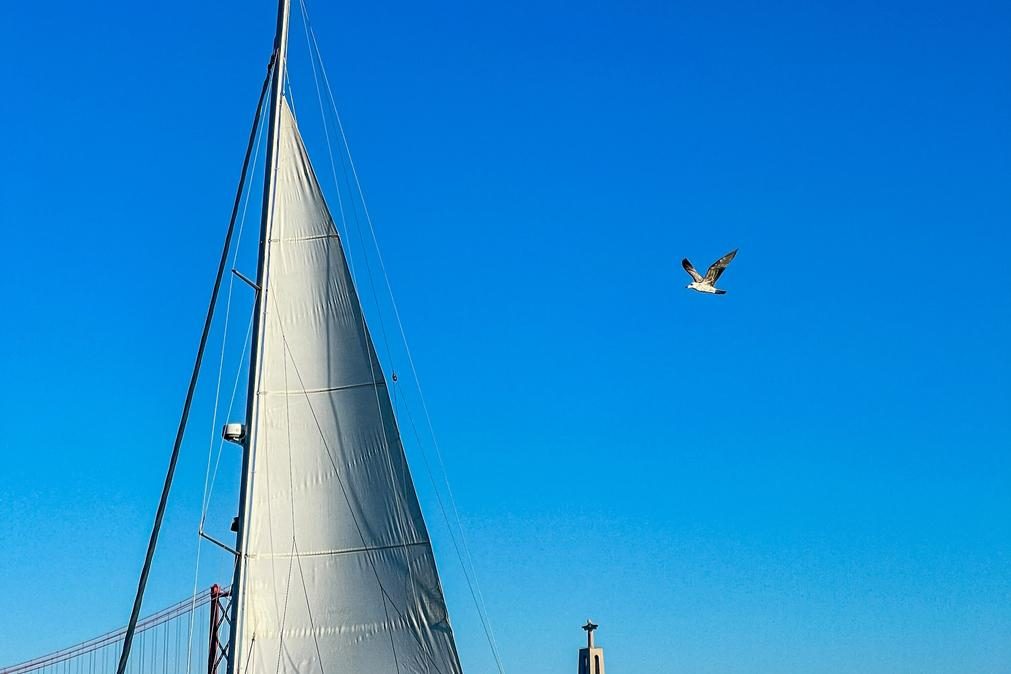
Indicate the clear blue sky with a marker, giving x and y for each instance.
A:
(809, 474)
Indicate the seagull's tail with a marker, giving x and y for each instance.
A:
(721, 292)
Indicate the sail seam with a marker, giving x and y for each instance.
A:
(314, 237)
(471, 574)
(287, 392)
(358, 526)
(337, 553)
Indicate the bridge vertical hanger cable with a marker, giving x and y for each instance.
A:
(124, 657)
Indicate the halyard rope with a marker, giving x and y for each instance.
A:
(469, 573)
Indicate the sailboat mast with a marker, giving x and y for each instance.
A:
(269, 184)
(325, 483)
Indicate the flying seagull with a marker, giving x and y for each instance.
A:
(708, 284)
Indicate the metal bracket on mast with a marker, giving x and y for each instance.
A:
(208, 537)
(246, 280)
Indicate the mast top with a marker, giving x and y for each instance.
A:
(281, 34)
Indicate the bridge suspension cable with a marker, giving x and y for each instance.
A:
(162, 643)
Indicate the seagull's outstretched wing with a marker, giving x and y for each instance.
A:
(697, 277)
(716, 270)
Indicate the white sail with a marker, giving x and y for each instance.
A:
(337, 572)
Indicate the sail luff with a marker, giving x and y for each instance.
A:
(335, 570)
(279, 58)
(338, 568)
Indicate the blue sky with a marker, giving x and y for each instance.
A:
(809, 474)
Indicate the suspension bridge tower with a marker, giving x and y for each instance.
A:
(591, 658)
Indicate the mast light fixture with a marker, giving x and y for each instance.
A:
(234, 432)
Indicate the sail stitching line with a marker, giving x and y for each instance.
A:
(401, 510)
(330, 456)
(305, 238)
(399, 498)
(379, 408)
(347, 551)
(474, 586)
(330, 389)
(354, 518)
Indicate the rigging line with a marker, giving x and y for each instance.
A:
(410, 358)
(308, 611)
(326, 130)
(452, 535)
(266, 460)
(287, 402)
(208, 488)
(333, 170)
(270, 522)
(401, 498)
(354, 519)
(256, 366)
(184, 417)
(347, 498)
(231, 404)
(291, 93)
(287, 433)
(265, 473)
(208, 482)
(294, 529)
(284, 613)
(252, 652)
(270, 513)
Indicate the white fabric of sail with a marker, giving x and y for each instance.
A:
(339, 575)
